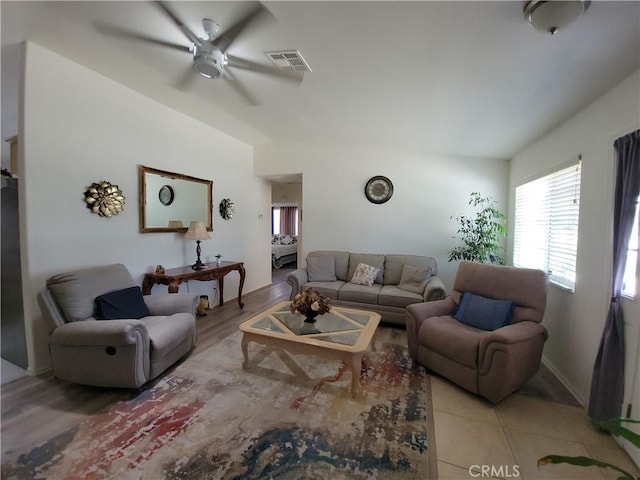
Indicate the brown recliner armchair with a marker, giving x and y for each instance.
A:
(495, 363)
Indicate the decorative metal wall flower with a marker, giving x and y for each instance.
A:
(104, 199)
(227, 209)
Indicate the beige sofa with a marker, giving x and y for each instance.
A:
(492, 361)
(388, 296)
(123, 352)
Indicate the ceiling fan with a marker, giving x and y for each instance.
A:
(210, 57)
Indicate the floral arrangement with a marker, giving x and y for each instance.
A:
(310, 300)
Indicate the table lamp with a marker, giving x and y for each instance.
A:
(197, 231)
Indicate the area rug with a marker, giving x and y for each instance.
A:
(285, 417)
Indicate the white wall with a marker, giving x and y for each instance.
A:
(286, 193)
(575, 320)
(428, 189)
(79, 127)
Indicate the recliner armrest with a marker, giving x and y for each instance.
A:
(508, 337)
(437, 308)
(514, 333)
(170, 303)
(434, 290)
(296, 279)
(418, 313)
(93, 332)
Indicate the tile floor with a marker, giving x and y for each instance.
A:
(510, 437)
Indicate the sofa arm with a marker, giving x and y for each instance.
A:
(296, 279)
(108, 353)
(170, 303)
(418, 313)
(435, 290)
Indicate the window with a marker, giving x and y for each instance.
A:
(546, 225)
(275, 219)
(630, 274)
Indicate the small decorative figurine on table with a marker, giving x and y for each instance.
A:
(160, 269)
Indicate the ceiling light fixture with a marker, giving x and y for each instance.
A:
(551, 16)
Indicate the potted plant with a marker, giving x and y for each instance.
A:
(481, 235)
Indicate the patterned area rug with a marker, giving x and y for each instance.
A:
(286, 417)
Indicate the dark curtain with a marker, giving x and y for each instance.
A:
(288, 220)
(607, 383)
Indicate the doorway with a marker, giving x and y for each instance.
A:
(286, 225)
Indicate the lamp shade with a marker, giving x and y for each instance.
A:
(197, 231)
(551, 16)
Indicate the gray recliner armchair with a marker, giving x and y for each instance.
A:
(491, 363)
(123, 352)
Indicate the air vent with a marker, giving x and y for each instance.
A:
(290, 60)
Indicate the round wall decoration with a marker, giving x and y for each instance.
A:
(166, 195)
(104, 199)
(227, 209)
(378, 189)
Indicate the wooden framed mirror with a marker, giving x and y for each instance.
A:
(169, 201)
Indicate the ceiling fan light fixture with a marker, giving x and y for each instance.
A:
(209, 62)
(552, 16)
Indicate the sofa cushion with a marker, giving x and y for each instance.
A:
(120, 304)
(351, 292)
(321, 269)
(364, 275)
(330, 289)
(482, 312)
(393, 266)
(452, 339)
(392, 296)
(414, 279)
(376, 261)
(341, 260)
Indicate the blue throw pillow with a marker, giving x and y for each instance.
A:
(126, 303)
(483, 313)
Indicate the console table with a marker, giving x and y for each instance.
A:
(173, 277)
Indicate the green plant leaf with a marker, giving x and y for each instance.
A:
(614, 426)
(582, 462)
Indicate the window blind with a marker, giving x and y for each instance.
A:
(546, 225)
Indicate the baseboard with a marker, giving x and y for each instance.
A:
(564, 381)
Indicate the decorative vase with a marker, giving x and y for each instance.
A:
(310, 316)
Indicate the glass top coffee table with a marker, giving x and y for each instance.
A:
(342, 334)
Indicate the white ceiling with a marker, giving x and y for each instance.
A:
(460, 78)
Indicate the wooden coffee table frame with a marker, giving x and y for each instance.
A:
(313, 344)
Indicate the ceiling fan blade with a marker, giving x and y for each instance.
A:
(237, 62)
(240, 88)
(183, 28)
(119, 32)
(224, 39)
(186, 79)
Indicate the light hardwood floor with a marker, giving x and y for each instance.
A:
(471, 433)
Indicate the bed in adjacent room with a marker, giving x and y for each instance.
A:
(284, 250)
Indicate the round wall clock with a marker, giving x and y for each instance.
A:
(378, 189)
(166, 195)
